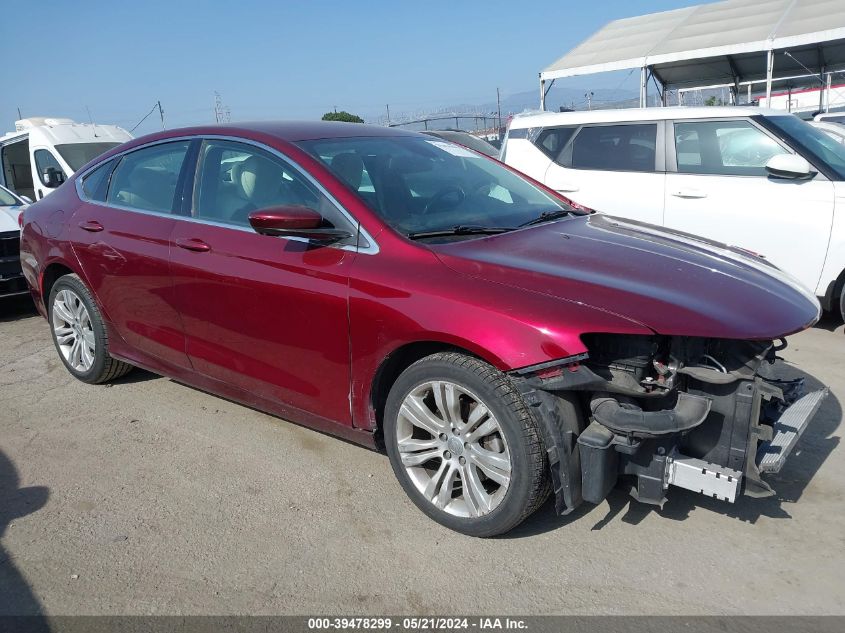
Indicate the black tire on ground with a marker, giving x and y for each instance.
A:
(104, 368)
(529, 483)
(842, 303)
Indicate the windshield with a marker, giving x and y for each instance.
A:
(820, 147)
(473, 142)
(77, 154)
(7, 199)
(421, 185)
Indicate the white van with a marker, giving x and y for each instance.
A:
(43, 152)
(763, 180)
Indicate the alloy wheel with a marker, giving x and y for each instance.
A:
(453, 449)
(73, 330)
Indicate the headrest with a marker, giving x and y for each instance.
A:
(258, 178)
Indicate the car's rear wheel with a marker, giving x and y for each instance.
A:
(79, 333)
(464, 446)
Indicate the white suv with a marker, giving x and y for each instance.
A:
(759, 179)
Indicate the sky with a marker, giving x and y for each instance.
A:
(288, 60)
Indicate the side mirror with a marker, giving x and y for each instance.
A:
(53, 177)
(294, 221)
(789, 166)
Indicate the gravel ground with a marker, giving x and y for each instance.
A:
(149, 497)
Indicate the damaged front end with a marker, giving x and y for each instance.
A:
(708, 415)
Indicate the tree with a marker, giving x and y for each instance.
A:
(344, 116)
(710, 101)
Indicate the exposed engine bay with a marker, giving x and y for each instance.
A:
(708, 415)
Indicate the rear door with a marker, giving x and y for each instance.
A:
(265, 314)
(121, 236)
(614, 168)
(719, 188)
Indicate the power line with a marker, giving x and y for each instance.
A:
(153, 109)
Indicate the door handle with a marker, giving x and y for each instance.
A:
(92, 226)
(689, 193)
(192, 244)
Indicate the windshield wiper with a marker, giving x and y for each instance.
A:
(547, 216)
(460, 229)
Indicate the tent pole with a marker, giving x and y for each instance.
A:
(827, 93)
(770, 66)
(643, 86)
(542, 94)
(821, 92)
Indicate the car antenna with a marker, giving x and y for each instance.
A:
(91, 119)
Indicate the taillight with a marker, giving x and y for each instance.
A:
(20, 219)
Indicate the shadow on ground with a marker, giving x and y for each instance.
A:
(829, 322)
(16, 308)
(814, 447)
(16, 596)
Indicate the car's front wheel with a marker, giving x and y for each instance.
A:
(79, 333)
(464, 446)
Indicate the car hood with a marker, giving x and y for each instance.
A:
(671, 282)
(9, 218)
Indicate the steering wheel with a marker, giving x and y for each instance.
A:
(438, 198)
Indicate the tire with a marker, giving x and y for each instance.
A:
(462, 481)
(842, 303)
(74, 317)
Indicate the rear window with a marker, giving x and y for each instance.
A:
(95, 183)
(551, 141)
(146, 178)
(615, 148)
(7, 199)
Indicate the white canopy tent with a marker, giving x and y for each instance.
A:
(734, 43)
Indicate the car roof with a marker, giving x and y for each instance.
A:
(540, 119)
(290, 131)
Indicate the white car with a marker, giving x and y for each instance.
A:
(11, 278)
(762, 180)
(836, 131)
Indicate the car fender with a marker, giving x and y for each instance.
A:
(458, 311)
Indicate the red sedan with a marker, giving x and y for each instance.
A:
(405, 292)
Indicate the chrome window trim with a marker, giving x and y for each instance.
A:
(372, 247)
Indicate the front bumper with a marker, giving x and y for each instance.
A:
(12, 281)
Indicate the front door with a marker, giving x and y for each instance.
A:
(121, 236)
(42, 161)
(265, 314)
(722, 191)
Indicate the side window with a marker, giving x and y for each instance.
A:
(146, 178)
(728, 148)
(235, 179)
(615, 147)
(45, 160)
(551, 141)
(95, 183)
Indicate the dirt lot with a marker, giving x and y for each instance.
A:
(151, 497)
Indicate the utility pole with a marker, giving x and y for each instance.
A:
(589, 96)
(388, 115)
(498, 113)
(161, 114)
(218, 107)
